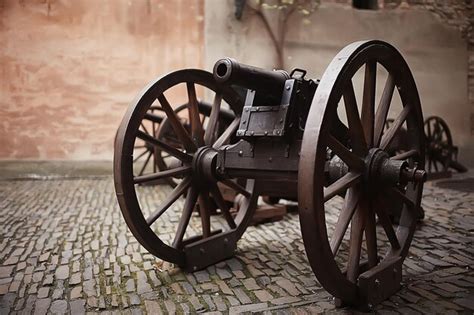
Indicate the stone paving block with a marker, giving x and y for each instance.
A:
(62, 272)
(242, 296)
(77, 307)
(467, 302)
(170, 306)
(58, 307)
(152, 307)
(263, 295)
(250, 284)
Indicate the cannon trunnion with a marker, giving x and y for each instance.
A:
(323, 143)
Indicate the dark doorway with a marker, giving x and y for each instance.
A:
(365, 4)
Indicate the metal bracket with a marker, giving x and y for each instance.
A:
(210, 250)
(265, 120)
(379, 283)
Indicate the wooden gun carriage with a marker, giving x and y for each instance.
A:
(281, 134)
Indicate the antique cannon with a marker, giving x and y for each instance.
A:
(441, 153)
(285, 135)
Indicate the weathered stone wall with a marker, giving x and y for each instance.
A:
(458, 14)
(436, 52)
(68, 69)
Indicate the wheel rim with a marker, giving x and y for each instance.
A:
(126, 184)
(439, 144)
(359, 205)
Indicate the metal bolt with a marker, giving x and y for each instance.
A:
(195, 268)
(251, 133)
(257, 109)
(288, 87)
(246, 109)
(281, 120)
(370, 306)
(241, 153)
(377, 282)
(202, 250)
(226, 240)
(244, 122)
(265, 133)
(278, 132)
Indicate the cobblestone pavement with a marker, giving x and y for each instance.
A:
(64, 247)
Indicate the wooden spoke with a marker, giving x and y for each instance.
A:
(400, 195)
(170, 199)
(205, 208)
(350, 204)
(216, 193)
(371, 235)
(351, 159)
(392, 131)
(189, 204)
(406, 155)
(141, 154)
(386, 223)
(355, 244)
(368, 101)
(146, 163)
(233, 185)
(196, 126)
(165, 147)
(429, 130)
(213, 119)
(153, 150)
(178, 128)
(144, 129)
(341, 185)
(227, 134)
(356, 131)
(174, 172)
(153, 118)
(382, 110)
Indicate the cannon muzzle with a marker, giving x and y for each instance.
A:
(229, 71)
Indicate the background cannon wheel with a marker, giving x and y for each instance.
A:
(441, 154)
(343, 263)
(181, 232)
(144, 159)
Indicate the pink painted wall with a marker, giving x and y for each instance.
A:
(68, 69)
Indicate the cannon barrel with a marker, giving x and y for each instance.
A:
(229, 71)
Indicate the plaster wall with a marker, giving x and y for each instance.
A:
(68, 69)
(436, 53)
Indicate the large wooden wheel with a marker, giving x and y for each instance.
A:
(181, 239)
(367, 179)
